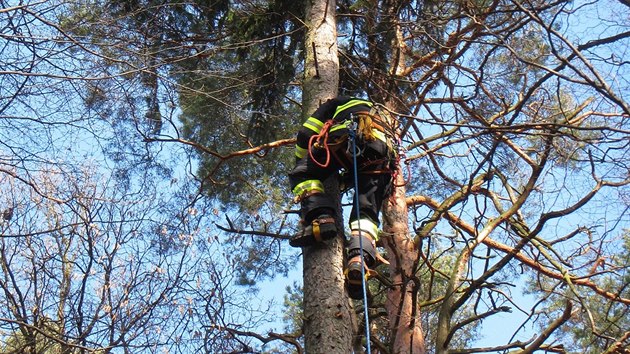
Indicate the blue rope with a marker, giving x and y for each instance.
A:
(352, 133)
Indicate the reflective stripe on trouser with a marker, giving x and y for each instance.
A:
(381, 136)
(366, 226)
(308, 186)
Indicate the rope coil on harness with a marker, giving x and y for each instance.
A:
(352, 134)
(321, 141)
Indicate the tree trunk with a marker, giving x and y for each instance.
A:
(327, 310)
(321, 67)
(402, 299)
(328, 316)
(406, 336)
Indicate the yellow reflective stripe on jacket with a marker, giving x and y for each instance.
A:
(314, 124)
(307, 186)
(367, 226)
(351, 103)
(339, 126)
(300, 152)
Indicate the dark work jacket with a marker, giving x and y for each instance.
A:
(340, 109)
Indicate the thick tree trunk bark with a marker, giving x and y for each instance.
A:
(402, 299)
(327, 310)
(406, 336)
(321, 67)
(328, 317)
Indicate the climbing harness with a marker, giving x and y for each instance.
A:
(395, 144)
(367, 126)
(352, 134)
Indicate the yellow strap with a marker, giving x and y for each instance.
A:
(365, 127)
(316, 234)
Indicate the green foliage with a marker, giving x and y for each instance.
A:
(22, 342)
(259, 259)
(432, 281)
(596, 322)
(596, 327)
(237, 98)
(234, 84)
(441, 252)
(225, 76)
(220, 122)
(293, 310)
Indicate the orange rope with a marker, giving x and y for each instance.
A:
(323, 135)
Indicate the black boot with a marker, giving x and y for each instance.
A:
(355, 280)
(318, 222)
(357, 272)
(321, 229)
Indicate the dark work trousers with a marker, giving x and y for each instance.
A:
(374, 161)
